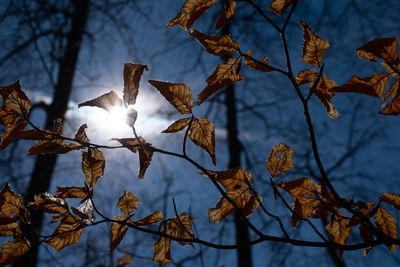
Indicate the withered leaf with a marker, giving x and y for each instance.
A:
(313, 46)
(387, 223)
(177, 126)
(4, 219)
(85, 212)
(263, 66)
(128, 202)
(15, 107)
(372, 86)
(367, 236)
(190, 12)
(107, 101)
(228, 11)
(13, 250)
(243, 197)
(299, 188)
(384, 48)
(162, 251)
(303, 208)
(280, 160)
(279, 6)
(132, 74)
(145, 153)
(71, 192)
(125, 260)
(11, 203)
(393, 108)
(178, 95)
(150, 219)
(338, 228)
(202, 134)
(224, 75)
(117, 231)
(93, 164)
(233, 178)
(67, 233)
(216, 45)
(10, 229)
(392, 199)
(131, 116)
(48, 203)
(81, 134)
(43, 147)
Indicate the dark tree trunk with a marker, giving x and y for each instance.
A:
(45, 164)
(235, 147)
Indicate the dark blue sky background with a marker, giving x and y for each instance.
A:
(136, 32)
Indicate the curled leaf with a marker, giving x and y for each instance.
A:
(313, 46)
(190, 12)
(117, 231)
(13, 250)
(372, 86)
(228, 11)
(44, 147)
(202, 134)
(392, 199)
(107, 101)
(261, 66)
(280, 160)
(384, 48)
(279, 6)
(177, 126)
(71, 192)
(150, 219)
(93, 164)
(81, 134)
(387, 223)
(131, 117)
(216, 45)
(85, 212)
(233, 178)
(132, 74)
(11, 203)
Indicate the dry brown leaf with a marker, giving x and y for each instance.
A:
(11, 203)
(67, 233)
(393, 108)
(392, 199)
(299, 188)
(384, 48)
(372, 86)
(280, 160)
(128, 202)
(162, 251)
(263, 66)
(132, 74)
(190, 12)
(81, 134)
(13, 250)
(367, 236)
(228, 11)
(338, 228)
(117, 231)
(85, 212)
(4, 219)
(10, 229)
(107, 101)
(15, 107)
(177, 126)
(216, 45)
(387, 223)
(279, 6)
(150, 219)
(233, 178)
(202, 134)
(224, 75)
(303, 208)
(71, 192)
(93, 164)
(313, 46)
(178, 95)
(125, 260)
(48, 203)
(44, 147)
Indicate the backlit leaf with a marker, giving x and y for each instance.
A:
(224, 75)
(233, 178)
(338, 228)
(67, 233)
(299, 188)
(279, 6)
(150, 219)
(392, 199)
(280, 160)
(48, 203)
(384, 48)
(81, 134)
(107, 101)
(261, 66)
(162, 251)
(11, 203)
(202, 134)
(10, 229)
(71, 192)
(128, 202)
(93, 164)
(117, 231)
(372, 86)
(228, 11)
(216, 45)
(313, 46)
(132, 74)
(303, 208)
(393, 108)
(15, 107)
(13, 250)
(125, 260)
(177, 126)
(387, 223)
(85, 212)
(190, 12)
(178, 95)
(131, 116)
(43, 147)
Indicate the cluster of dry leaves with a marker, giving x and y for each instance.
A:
(311, 200)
